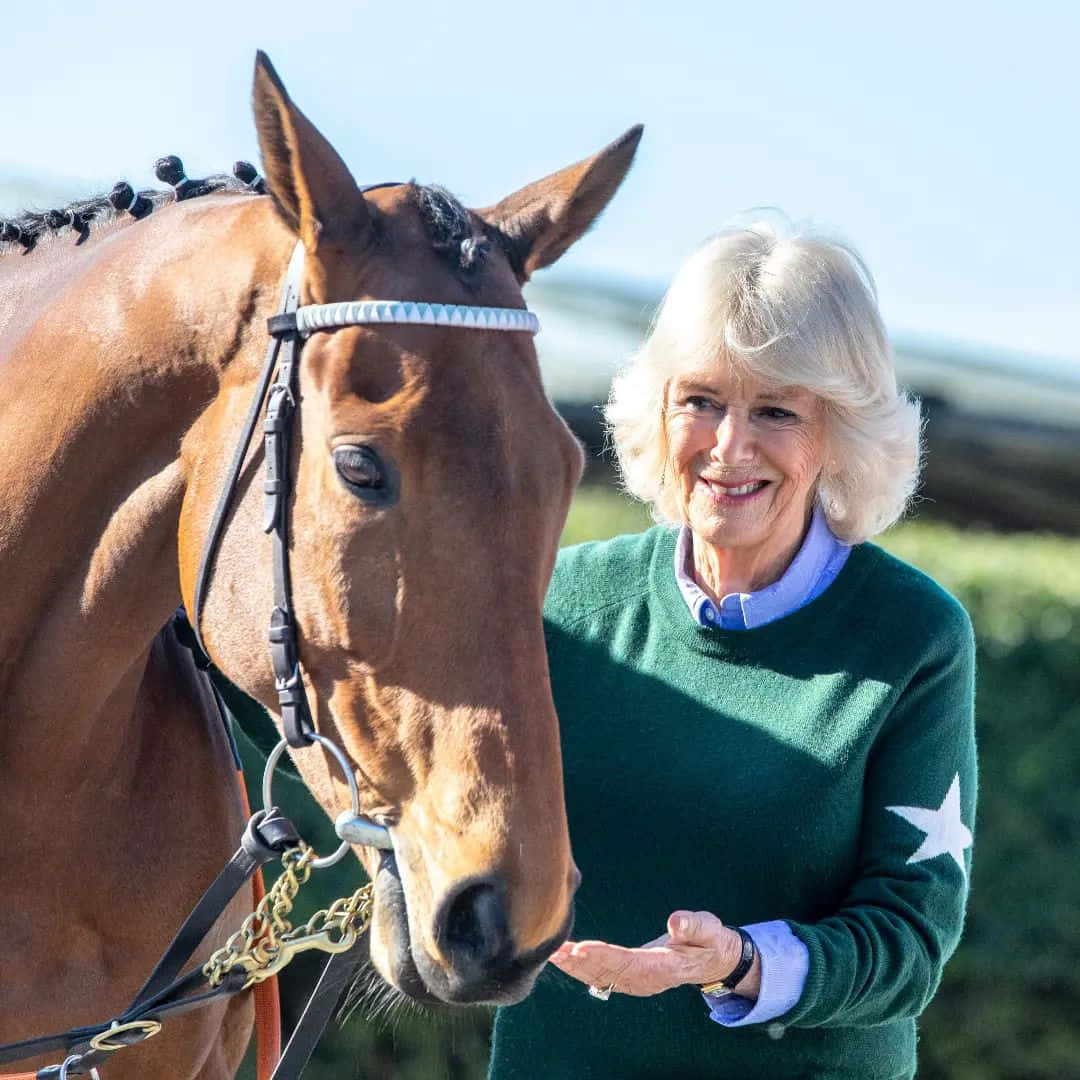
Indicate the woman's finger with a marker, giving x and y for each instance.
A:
(695, 927)
(641, 972)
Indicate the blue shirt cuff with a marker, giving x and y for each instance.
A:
(785, 961)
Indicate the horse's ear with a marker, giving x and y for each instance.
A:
(542, 220)
(312, 188)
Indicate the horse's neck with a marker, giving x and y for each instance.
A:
(98, 390)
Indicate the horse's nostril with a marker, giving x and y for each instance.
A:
(476, 930)
(477, 957)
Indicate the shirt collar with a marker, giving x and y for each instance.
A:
(745, 611)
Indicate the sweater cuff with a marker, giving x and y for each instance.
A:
(785, 961)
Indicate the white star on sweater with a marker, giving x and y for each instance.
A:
(946, 834)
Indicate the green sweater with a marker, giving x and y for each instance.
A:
(806, 770)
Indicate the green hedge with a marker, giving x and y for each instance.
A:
(1008, 1005)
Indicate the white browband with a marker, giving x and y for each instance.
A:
(355, 312)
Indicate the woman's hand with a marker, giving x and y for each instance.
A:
(697, 948)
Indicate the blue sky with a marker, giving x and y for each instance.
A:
(940, 138)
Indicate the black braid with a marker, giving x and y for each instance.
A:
(12, 232)
(123, 199)
(247, 174)
(170, 170)
(76, 219)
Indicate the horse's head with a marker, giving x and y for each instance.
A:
(431, 480)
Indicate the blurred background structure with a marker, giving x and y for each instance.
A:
(937, 138)
(1002, 429)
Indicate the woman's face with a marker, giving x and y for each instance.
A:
(745, 456)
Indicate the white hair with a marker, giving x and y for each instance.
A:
(791, 307)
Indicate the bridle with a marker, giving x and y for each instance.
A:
(287, 331)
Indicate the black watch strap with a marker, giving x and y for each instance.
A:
(727, 984)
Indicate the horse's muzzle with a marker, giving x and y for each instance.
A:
(480, 963)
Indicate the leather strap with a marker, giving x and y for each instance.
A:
(338, 974)
(277, 431)
(282, 355)
(177, 1001)
(727, 984)
(289, 302)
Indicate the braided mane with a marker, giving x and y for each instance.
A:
(448, 224)
(23, 231)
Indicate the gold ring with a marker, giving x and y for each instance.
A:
(103, 1040)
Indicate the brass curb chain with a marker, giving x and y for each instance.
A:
(266, 940)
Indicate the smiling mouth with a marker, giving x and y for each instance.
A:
(736, 492)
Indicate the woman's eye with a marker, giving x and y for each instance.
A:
(777, 414)
(365, 474)
(698, 403)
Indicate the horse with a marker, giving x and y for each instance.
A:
(430, 477)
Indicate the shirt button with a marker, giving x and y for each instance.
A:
(710, 614)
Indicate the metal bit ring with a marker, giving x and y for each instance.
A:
(346, 768)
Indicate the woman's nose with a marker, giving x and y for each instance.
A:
(734, 439)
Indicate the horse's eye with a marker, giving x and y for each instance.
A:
(364, 474)
(359, 466)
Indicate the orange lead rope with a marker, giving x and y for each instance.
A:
(267, 996)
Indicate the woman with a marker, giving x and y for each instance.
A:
(767, 720)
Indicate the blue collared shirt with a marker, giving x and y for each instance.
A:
(814, 568)
(785, 960)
